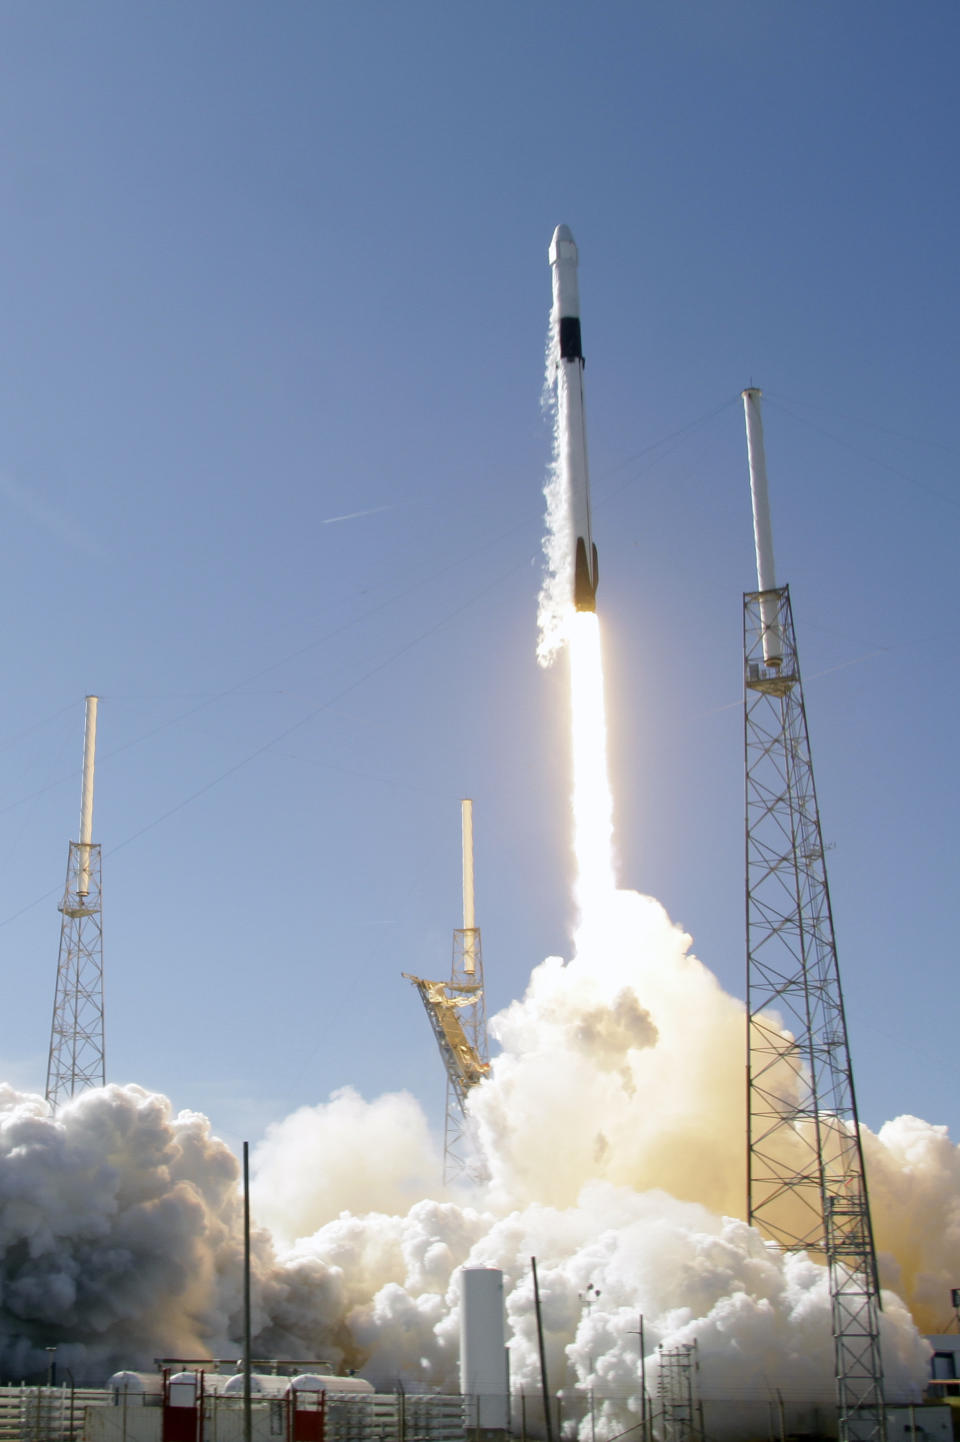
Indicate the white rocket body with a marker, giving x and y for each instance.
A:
(573, 436)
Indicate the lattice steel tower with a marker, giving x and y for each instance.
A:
(806, 1183)
(679, 1411)
(76, 1058)
(457, 1011)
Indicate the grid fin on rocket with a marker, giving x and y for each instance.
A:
(573, 437)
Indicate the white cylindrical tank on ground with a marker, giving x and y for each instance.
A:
(317, 1382)
(134, 1386)
(261, 1385)
(308, 1382)
(484, 1377)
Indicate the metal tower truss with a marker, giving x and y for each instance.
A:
(458, 1016)
(76, 1059)
(675, 1394)
(466, 976)
(806, 1184)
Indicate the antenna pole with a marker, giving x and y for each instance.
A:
(762, 529)
(469, 916)
(86, 794)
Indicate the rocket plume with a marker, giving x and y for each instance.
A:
(592, 798)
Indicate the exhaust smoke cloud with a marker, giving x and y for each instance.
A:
(612, 1128)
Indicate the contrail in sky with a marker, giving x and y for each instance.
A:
(355, 515)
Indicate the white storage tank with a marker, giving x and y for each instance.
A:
(484, 1365)
(135, 1388)
(321, 1382)
(262, 1384)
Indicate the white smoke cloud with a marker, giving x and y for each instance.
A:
(118, 1228)
(612, 1129)
(914, 1175)
(323, 1160)
(665, 1108)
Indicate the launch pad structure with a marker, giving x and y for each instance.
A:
(457, 1012)
(680, 1412)
(806, 1182)
(76, 1059)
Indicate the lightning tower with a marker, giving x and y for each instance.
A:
(76, 1058)
(457, 1012)
(806, 1183)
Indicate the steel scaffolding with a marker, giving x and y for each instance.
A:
(466, 979)
(76, 1059)
(458, 1016)
(457, 1010)
(679, 1414)
(806, 1184)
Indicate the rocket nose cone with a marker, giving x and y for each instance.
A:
(562, 246)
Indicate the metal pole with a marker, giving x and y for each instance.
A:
(73, 1387)
(762, 528)
(86, 794)
(548, 1420)
(643, 1381)
(469, 913)
(247, 1403)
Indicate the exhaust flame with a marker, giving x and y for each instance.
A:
(592, 798)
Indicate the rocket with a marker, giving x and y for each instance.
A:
(573, 438)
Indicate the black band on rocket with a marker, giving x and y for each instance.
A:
(570, 345)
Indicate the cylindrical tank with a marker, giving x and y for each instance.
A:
(484, 1378)
(135, 1387)
(317, 1382)
(262, 1384)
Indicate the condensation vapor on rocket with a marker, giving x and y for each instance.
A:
(762, 529)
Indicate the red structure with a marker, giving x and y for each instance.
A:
(182, 1406)
(308, 1410)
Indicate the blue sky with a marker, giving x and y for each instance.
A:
(266, 266)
